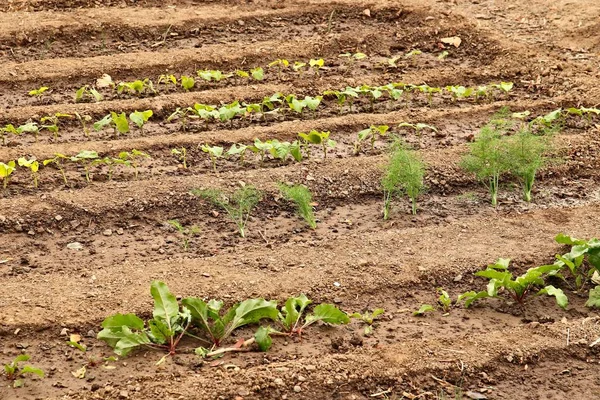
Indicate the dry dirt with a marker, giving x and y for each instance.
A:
(493, 350)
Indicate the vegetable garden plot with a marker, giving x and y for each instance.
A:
(319, 200)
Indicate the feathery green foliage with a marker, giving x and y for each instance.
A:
(302, 197)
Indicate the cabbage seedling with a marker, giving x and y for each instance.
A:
(169, 323)
(85, 157)
(181, 153)
(187, 83)
(404, 173)
(57, 160)
(87, 92)
(140, 118)
(214, 152)
(238, 204)
(302, 197)
(517, 288)
(38, 92)
(14, 372)
(117, 121)
(187, 232)
(33, 166)
(5, 171)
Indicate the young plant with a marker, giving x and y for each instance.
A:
(261, 148)
(298, 66)
(33, 166)
(281, 65)
(140, 118)
(15, 372)
(526, 154)
(167, 81)
(487, 158)
(51, 122)
(372, 132)
(187, 232)
(583, 260)
(257, 73)
(368, 318)
(460, 92)
(374, 93)
(136, 87)
(214, 152)
(117, 121)
(404, 173)
(418, 127)
(5, 171)
(87, 92)
(85, 157)
(213, 75)
(239, 150)
(38, 92)
(57, 161)
(187, 83)
(444, 301)
(501, 280)
(302, 197)
(134, 156)
(30, 127)
(183, 114)
(111, 163)
(318, 138)
(169, 323)
(181, 154)
(238, 204)
(316, 64)
(84, 120)
(9, 128)
(423, 309)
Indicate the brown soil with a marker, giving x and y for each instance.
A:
(354, 258)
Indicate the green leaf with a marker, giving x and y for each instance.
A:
(187, 82)
(130, 341)
(472, 296)
(140, 117)
(561, 298)
(165, 303)
(594, 298)
(120, 121)
(257, 73)
(200, 312)
(423, 309)
(251, 311)
(262, 338)
(159, 331)
(28, 369)
(561, 238)
(327, 313)
(293, 309)
(102, 123)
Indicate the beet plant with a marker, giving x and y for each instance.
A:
(238, 204)
(15, 372)
(368, 318)
(517, 288)
(6, 171)
(583, 259)
(33, 165)
(301, 196)
(403, 174)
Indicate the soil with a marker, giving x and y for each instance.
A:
(355, 259)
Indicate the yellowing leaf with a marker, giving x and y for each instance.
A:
(80, 373)
(453, 40)
(75, 338)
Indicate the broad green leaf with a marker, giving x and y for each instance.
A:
(159, 331)
(293, 309)
(594, 298)
(472, 296)
(28, 369)
(104, 81)
(120, 121)
(140, 117)
(200, 312)
(251, 311)
(102, 123)
(262, 338)
(561, 298)
(187, 82)
(130, 341)
(257, 73)
(327, 313)
(568, 240)
(423, 309)
(165, 303)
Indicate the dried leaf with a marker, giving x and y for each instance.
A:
(453, 40)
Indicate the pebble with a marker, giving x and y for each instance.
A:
(337, 300)
(123, 394)
(297, 389)
(278, 381)
(58, 218)
(458, 278)
(75, 246)
(301, 378)
(107, 232)
(120, 231)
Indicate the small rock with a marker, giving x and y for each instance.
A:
(278, 381)
(458, 278)
(367, 12)
(241, 22)
(310, 367)
(107, 232)
(297, 389)
(58, 218)
(120, 231)
(214, 213)
(91, 334)
(95, 387)
(123, 394)
(31, 232)
(301, 378)
(64, 332)
(475, 395)
(75, 246)
(2, 219)
(204, 274)
(356, 340)
(336, 284)
(337, 300)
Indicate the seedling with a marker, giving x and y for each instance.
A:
(87, 92)
(84, 120)
(372, 132)
(140, 118)
(38, 92)
(117, 121)
(214, 152)
(30, 127)
(368, 318)
(181, 154)
(33, 166)
(137, 87)
(238, 204)
(111, 163)
(302, 197)
(281, 65)
(504, 87)
(404, 173)
(127, 332)
(86, 158)
(583, 260)
(167, 81)
(487, 157)
(444, 301)
(316, 65)
(213, 75)
(187, 232)
(298, 66)
(261, 148)
(501, 280)
(57, 160)
(257, 73)
(53, 120)
(105, 81)
(429, 91)
(295, 104)
(5, 171)
(423, 309)
(238, 149)
(373, 92)
(526, 154)
(15, 372)
(182, 114)
(316, 137)
(418, 127)
(9, 128)
(187, 83)
(229, 111)
(135, 156)
(460, 92)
